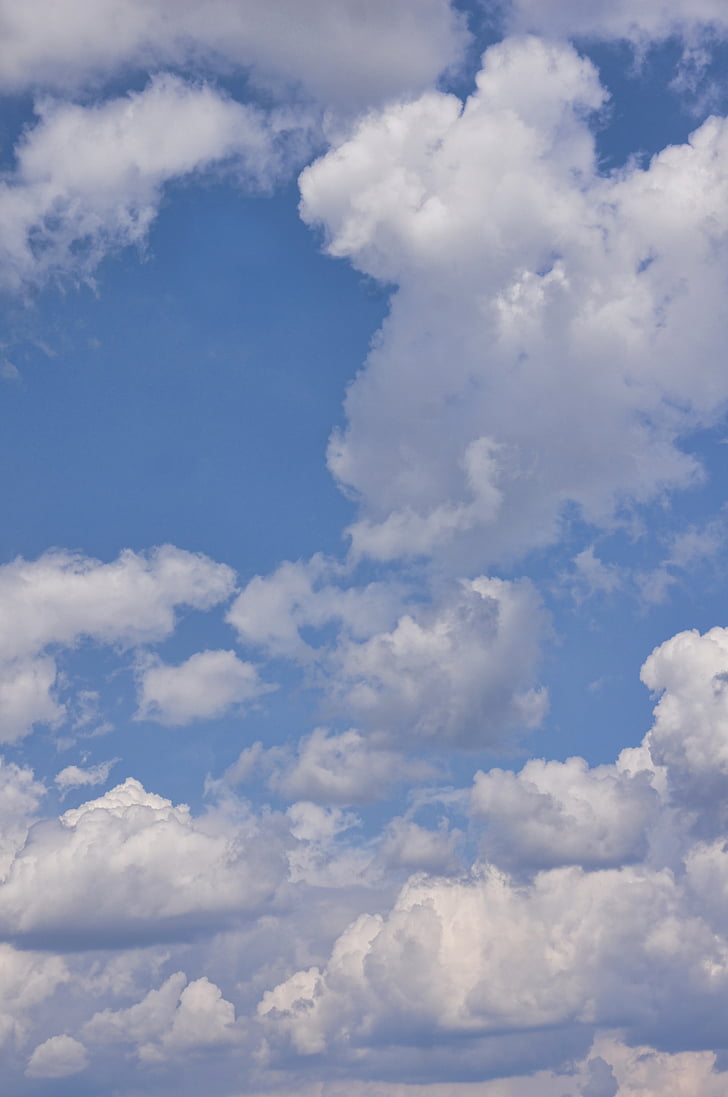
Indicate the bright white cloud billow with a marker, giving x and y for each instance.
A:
(132, 867)
(532, 291)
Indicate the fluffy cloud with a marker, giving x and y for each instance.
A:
(458, 669)
(132, 867)
(20, 796)
(204, 687)
(274, 611)
(57, 1058)
(80, 776)
(531, 290)
(485, 956)
(690, 734)
(559, 813)
(339, 50)
(61, 599)
(457, 673)
(27, 979)
(178, 1018)
(89, 179)
(612, 916)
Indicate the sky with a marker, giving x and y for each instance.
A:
(363, 571)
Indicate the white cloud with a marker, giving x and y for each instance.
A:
(343, 768)
(175, 1020)
(457, 673)
(61, 599)
(89, 179)
(486, 957)
(690, 733)
(338, 51)
(204, 687)
(132, 867)
(273, 610)
(79, 776)
(532, 290)
(58, 1057)
(20, 796)
(558, 813)
(26, 980)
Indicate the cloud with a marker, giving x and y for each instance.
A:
(274, 611)
(653, 19)
(79, 777)
(456, 669)
(561, 813)
(457, 673)
(27, 979)
(689, 738)
(131, 867)
(58, 1057)
(340, 768)
(61, 599)
(175, 1020)
(600, 905)
(530, 290)
(89, 179)
(20, 797)
(338, 52)
(204, 687)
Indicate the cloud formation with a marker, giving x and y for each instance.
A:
(530, 289)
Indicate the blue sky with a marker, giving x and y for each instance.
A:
(362, 646)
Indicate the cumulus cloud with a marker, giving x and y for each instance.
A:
(334, 51)
(339, 768)
(560, 813)
(132, 867)
(178, 1018)
(89, 179)
(61, 599)
(530, 290)
(27, 979)
(204, 687)
(456, 673)
(690, 735)
(274, 611)
(57, 1057)
(601, 905)
(456, 669)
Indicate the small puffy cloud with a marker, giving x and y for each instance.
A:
(89, 179)
(176, 1019)
(333, 51)
(204, 687)
(80, 776)
(58, 1057)
(132, 867)
(560, 813)
(63, 598)
(457, 673)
